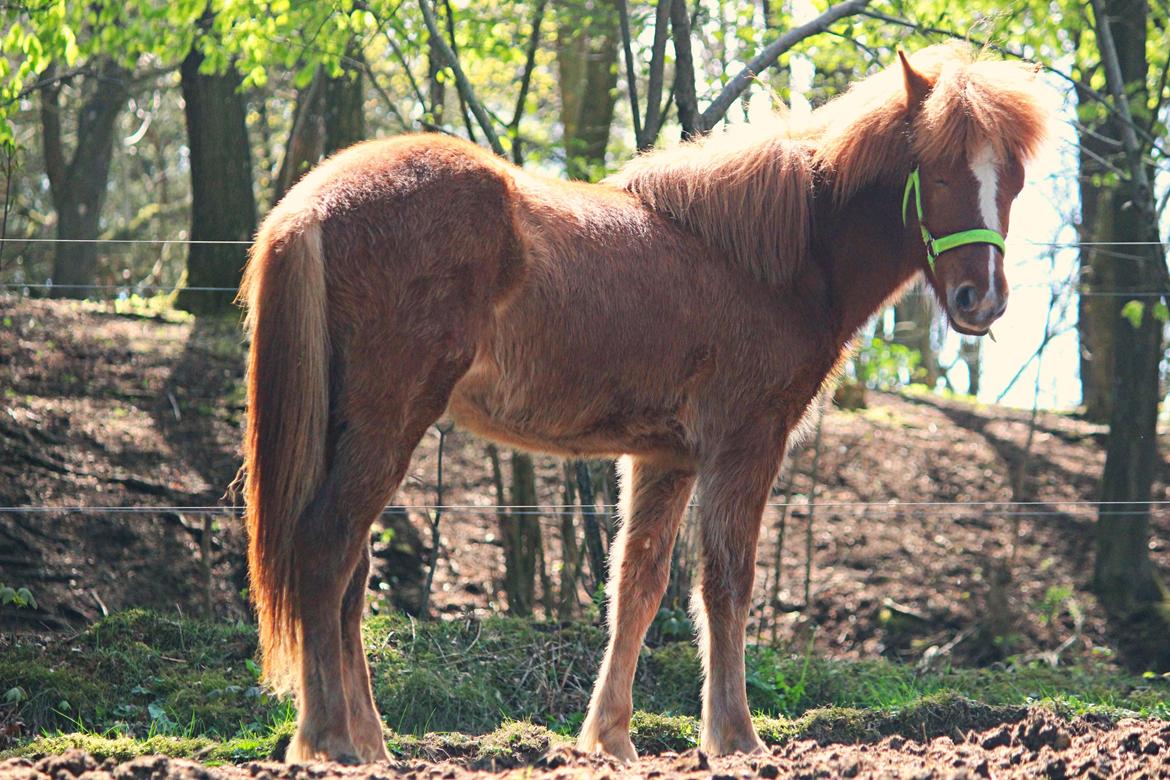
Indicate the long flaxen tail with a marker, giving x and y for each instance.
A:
(288, 408)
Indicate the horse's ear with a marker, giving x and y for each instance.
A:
(917, 85)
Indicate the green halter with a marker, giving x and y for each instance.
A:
(936, 246)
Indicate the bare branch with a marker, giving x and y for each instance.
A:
(631, 69)
(461, 82)
(1143, 195)
(654, 111)
(1116, 86)
(768, 56)
(684, 70)
(525, 83)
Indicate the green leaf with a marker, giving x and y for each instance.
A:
(1161, 312)
(24, 598)
(1133, 311)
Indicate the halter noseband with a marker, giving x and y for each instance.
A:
(936, 246)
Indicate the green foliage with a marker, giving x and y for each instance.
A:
(883, 365)
(17, 597)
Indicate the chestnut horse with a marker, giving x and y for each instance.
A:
(684, 314)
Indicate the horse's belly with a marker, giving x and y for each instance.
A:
(555, 412)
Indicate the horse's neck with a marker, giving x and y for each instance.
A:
(866, 254)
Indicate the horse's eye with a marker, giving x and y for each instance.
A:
(941, 182)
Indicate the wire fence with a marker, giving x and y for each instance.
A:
(1010, 508)
(138, 287)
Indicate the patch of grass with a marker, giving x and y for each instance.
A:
(652, 733)
(192, 686)
(141, 673)
(123, 747)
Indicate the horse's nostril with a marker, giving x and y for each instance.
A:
(966, 297)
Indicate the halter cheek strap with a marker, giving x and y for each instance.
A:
(936, 246)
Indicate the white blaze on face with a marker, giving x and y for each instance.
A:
(983, 165)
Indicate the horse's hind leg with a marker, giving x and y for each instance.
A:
(365, 726)
(654, 498)
(386, 406)
(330, 544)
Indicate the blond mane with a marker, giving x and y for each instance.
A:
(749, 190)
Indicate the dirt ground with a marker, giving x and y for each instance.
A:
(1036, 745)
(908, 561)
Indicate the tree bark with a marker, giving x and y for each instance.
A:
(971, 351)
(684, 70)
(522, 538)
(329, 116)
(1094, 326)
(913, 326)
(1123, 575)
(223, 207)
(587, 63)
(345, 119)
(78, 183)
(306, 139)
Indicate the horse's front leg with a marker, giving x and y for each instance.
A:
(653, 500)
(733, 488)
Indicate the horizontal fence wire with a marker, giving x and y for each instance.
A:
(125, 241)
(999, 507)
(248, 242)
(157, 288)
(131, 287)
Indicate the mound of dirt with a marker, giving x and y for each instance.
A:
(1039, 745)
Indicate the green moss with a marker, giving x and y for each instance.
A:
(123, 748)
(652, 733)
(139, 675)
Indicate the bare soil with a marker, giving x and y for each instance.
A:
(107, 410)
(1037, 744)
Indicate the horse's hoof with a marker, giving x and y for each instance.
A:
(621, 749)
(349, 759)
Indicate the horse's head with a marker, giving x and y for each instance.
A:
(959, 200)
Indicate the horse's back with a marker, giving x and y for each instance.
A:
(398, 211)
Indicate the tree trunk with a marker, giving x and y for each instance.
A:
(329, 116)
(78, 185)
(345, 120)
(1094, 326)
(684, 70)
(570, 556)
(223, 207)
(913, 326)
(1123, 576)
(971, 351)
(306, 139)
(521, 538)
(587, 64)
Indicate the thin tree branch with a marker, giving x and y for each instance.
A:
(382, 93)
(1116, 85)
(653, 121)
(461, 82)
(450, 20)
(1143, 195)
(418, 94)
(684, 70)
(631, 69)
(525, 83)
(768, 56)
